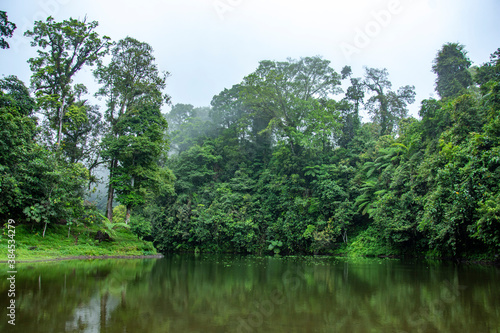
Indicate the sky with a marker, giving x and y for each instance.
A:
(209, 45)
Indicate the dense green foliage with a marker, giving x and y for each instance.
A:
(37, 185)
(50, 143)
(279, 163)
(283, 166)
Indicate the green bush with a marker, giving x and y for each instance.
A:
(140, 227)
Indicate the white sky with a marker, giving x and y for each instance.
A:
(209, 45)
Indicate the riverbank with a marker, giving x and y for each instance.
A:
(62, 243)
(80, 244)
(89, 258)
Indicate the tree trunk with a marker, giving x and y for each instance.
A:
(127, 215)
(344, 236)
(109, 204)
(44, 228)
(129, 208)
(111, 192)
(59, 132)
(384, 117)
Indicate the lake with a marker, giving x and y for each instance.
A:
(209, 293)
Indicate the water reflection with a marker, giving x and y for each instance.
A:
(254, 294)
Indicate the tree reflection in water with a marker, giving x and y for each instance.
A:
(255, 294)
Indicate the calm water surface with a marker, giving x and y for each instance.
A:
(253, 294)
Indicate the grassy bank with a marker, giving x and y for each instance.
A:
(57, 243)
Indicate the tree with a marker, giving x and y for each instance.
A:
(386, 107)
(243, 129)
(489, 71)
(451, 66)
(180, 114)
(349, 107)
(18, 123)
(228, 108)
(187, 125)
(64, 48)
(434, 118)
(138, 150)
(83, 129)
(6, 29)
(356, 92)
(132, 83)
(35, 184)
(288, 93)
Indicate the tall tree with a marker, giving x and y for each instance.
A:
(386, 106)
(130, 82)
(227, 107)
(6, 29)
(290, 93)
(241, 124)
(64, 48)
(179, 114)
(241, 129)
(138, 150)
(451, 66)
(350, 106)
(187, 125)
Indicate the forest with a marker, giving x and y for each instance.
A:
(279, 163)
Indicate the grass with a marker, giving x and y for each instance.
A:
(30, 245)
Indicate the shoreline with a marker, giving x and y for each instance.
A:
(466, 261)
(157, 256)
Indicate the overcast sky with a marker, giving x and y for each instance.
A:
(209, 45)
